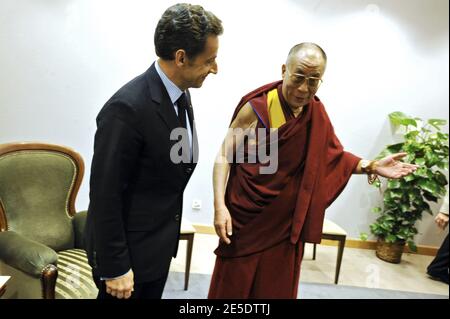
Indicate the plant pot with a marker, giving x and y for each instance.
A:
(390, 252)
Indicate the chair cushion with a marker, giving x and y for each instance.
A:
(74, 276)
(186, 227)
(332, 228)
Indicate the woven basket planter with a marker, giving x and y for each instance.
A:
(390, 252)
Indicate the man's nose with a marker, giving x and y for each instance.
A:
(214, 69)
(303, 87)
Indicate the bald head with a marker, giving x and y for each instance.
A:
(307, 51)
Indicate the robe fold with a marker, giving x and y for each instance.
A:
(273, 214)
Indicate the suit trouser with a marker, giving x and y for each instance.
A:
(439, 266)
(145, 290)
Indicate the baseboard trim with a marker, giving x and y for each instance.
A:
(350, 242)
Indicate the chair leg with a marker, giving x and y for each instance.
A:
(314, 252)
(48, 281)
(190, 244)
(339, 258)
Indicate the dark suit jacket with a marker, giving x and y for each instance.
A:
(136, 191)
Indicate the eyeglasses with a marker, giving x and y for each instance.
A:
(299, 79)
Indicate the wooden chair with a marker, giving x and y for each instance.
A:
(332, 231)
(187, 232)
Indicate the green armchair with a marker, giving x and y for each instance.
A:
(41, 235)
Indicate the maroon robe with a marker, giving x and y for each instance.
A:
(273, 214)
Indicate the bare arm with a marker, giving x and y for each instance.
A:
(389, 167)
(246, 119)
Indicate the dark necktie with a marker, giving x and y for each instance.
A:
(182, 105)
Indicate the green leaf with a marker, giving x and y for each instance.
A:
(376, 210)
(391, 238)
(377, 183)
(431, 159)
(394, 183)
(442, 136)
(405, 208)
(440, 178)
(430, 197)
(395, 148)
(412, 135)
(415, 197)
(363, 236)
(420, 161)
(412, 246)
(422, 172)
(429, 186)
(409, 178)
(437, 122)
(399, 118)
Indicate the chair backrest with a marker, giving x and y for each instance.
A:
(38, 187)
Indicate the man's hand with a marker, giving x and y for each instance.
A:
(441, 220)
(122, 287)
(391, 167)
(223, 224)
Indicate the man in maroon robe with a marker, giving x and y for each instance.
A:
(264, 219)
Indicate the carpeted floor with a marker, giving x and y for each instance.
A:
(199, 284)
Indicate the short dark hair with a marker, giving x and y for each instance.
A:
(185, 26)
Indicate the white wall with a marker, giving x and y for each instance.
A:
(61, 60)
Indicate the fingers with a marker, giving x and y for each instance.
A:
(407, 170)
(120, 290)
(120, 293)
(442, 223)
(229, 227)
(410, 167)
(223, 225)
(399, 156)
(221, 232)
(403, 169)
(127, 294)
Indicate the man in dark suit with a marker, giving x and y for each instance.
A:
(145, 151)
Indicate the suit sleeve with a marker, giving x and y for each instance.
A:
(116, 149)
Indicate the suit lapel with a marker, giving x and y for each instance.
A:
(165, 107)
(160, 96)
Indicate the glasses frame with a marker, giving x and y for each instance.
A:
(305, 78)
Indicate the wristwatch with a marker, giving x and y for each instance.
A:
(368, 166)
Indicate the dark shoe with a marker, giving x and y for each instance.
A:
(444, 279)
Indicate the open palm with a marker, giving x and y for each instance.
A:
(391, 167)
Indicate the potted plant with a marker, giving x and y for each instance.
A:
(406, 199)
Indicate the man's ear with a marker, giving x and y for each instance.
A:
(180, 57)
(283, 70)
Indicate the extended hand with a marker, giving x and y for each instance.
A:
(391, 167)
(223, 224)
(122, 286)
(441, 220)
